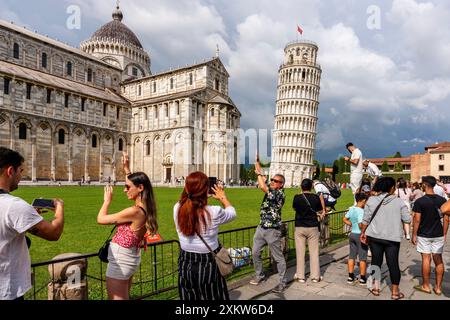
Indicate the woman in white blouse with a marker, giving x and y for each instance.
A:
(199, 277)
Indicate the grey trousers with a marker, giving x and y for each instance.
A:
(271, 237)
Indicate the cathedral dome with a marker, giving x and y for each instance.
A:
(116, 31)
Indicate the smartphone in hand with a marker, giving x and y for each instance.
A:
(212, 181)
(43, 204)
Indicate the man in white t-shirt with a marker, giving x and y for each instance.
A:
(372, 170)
(356, 166)
(16, 218)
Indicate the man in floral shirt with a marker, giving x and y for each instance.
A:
(268, 231)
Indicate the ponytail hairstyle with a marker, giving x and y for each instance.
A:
(148, 200)
(193, 218)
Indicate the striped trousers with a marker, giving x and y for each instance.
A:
(199, 277)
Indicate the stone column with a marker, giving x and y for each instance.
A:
(100, 168)
(33, 157)
(86, 157)
(69, 156)
(11, 132)
(113, 178)
(53, 156)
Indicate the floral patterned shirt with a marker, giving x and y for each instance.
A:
(271, 208)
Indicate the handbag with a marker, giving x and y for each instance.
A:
(363, 237)
(223, 259)
(103, 252)
(319, 216)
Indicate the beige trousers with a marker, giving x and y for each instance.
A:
(312, 236)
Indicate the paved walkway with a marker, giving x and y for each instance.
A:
(335, 286)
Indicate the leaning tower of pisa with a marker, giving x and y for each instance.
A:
(297, 104)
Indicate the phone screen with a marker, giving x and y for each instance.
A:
(212, 181)
(42, 203)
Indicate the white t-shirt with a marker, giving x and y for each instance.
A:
(440, 191)
(321, 188)
(356, 154)
(16, 217)
(373, 171)
(194, 243)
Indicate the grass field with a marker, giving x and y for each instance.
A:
(83, 235)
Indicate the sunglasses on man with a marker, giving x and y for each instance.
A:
(275, 180)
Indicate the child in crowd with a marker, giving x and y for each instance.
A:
(353, 218)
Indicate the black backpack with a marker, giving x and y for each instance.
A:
(334, 189)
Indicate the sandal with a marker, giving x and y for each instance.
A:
(438, 293)
(375, 292)
(397, 296)
(421, 289)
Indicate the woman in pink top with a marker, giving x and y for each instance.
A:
(132, 223)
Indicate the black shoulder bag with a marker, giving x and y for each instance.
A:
(103, 252)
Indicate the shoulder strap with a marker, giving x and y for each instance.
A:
(111, 233)
(377, 209)
(209, 248)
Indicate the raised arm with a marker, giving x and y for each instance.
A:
(123, 216)
(261, 177)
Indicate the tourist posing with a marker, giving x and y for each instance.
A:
(307, 207)
(353, 218)
(321, 189)
(382, 228)
(132, 223)
(197, 226)
(356, 166)
(372, 170)
(16, 219)
(269, 230)
(429, 234)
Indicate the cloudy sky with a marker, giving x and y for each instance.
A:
(386, 64)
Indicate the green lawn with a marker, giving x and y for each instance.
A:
(83, 235)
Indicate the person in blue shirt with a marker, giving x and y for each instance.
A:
(353, 218)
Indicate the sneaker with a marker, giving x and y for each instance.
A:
(317, 280)
(255, 281)
(350, 279)
(408, 237)
(362, 281)
(279, 288)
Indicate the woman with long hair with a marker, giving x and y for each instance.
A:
(132, 223)
(196, 223)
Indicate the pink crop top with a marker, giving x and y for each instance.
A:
(125, 237)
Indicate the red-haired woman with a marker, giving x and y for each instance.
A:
(199, 277)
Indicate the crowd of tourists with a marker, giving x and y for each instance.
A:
(385, 211)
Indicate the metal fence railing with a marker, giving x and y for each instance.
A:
(157, 276)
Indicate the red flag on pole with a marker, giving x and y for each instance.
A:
(300, 30)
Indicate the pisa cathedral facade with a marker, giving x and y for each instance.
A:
(71, 112)
(296, 114)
